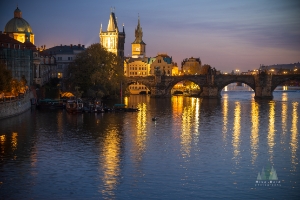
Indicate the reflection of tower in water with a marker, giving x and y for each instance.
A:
(141, 133)
(109, 161)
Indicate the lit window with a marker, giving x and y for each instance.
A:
(59, 75)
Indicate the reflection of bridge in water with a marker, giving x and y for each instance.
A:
(212, 85)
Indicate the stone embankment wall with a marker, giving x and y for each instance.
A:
(17, 106)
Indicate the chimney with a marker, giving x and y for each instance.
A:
(78, 45)
(71, 45)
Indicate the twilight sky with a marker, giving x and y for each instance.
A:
(227, 34)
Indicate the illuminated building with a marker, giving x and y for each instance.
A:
(17, 47)
(162, 62)
(112, 39)
(175, 71)
(137, 65)
(140, 65)
(19, 29)
(191, 66)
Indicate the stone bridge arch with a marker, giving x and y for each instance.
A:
(228, 79)
(279, 79)
(212, 85)
(147, 81)
(173, 81)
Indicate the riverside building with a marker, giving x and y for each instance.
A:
(17, 47)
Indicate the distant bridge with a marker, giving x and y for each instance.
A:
(211, 85)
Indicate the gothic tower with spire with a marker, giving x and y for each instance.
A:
(138, 47)
(112, 39)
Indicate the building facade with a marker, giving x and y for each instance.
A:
(54, 62)
(17, 57)
(112, 39)
(161, 62)
(191, 66)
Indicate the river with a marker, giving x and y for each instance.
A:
(196, 149)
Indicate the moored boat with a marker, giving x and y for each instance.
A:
(74, 105)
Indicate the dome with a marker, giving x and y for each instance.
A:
(17, 24)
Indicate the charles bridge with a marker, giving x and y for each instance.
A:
(211, 85)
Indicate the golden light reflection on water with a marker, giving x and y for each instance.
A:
(271, 132)
(186, 137)
(110, 159)
(294, 136)
(284, 115)
(236, 130)
(177, 106)
(141, 124)
(196, 101)
(14, 141)
(190, 123)
(126, 100)
(254, 138)
(225, 116)
(2, 142)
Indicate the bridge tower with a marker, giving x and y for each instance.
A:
(113, 39)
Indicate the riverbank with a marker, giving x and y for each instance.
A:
(11, 107)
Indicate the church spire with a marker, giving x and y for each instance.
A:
(112, 22)
(138, 46)
(138, 32)
(138, 20)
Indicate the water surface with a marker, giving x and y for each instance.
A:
(209, 149)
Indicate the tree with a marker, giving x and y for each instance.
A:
(5, 78)
(23, 83)
(15, 87)
(95, 71)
